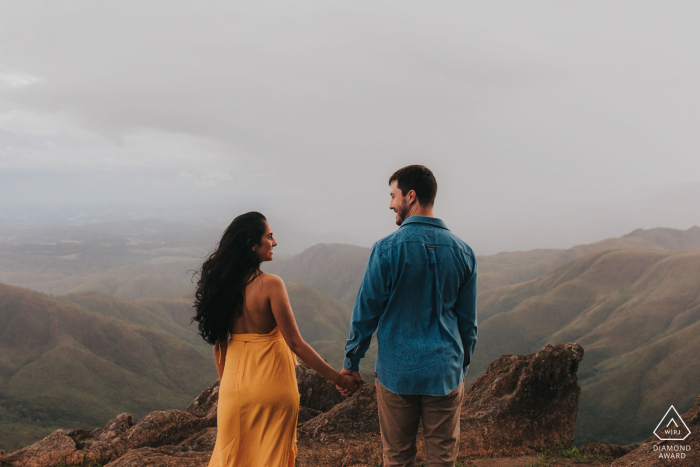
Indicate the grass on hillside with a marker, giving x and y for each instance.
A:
(132, 356)
(547, 457)
(15, 431)
(637, 315)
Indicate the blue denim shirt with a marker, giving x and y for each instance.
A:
(419, 293)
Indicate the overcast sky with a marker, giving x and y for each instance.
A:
(547, 124)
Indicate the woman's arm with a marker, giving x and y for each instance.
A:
(282, 311)
(220, 357)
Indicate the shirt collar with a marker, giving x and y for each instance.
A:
(434, 221)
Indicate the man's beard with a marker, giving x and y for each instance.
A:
(402, 213)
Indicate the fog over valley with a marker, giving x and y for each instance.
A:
(547, 125)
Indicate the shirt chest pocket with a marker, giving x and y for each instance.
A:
(430, 250)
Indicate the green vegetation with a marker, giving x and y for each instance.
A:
(633, 310)
(80, 360)
(16, 430)
(335, 269)
(65, 366)
(546, 457)
(637, 315)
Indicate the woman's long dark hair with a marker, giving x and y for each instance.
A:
(224, 275)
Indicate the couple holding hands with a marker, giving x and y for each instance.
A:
(418, 292)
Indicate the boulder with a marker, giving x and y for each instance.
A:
(523, 403)
(316, 392)
(348, 434)
(50, 451)
(306, 414)
(205, 404)
(164, 456)
(77, 447)
(165, 427)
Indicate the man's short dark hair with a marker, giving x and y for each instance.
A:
(418, 178)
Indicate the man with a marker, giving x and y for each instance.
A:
(419, 293)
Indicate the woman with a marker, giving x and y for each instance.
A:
(258, 396)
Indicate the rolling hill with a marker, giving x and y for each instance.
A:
(64, 365)
(670, 239)
(78, 359)
(121, 286)
(115, 262)
(637, 315)
(120, 336)
(337, 269)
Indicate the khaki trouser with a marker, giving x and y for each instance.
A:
(399, 416)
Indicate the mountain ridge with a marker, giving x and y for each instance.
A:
(336, 269)
(631, 309)
(137, 355)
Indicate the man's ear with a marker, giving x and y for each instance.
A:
(412, 197)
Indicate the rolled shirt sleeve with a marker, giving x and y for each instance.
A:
(465, 308)
(369, 306)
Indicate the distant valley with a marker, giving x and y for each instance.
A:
(116, 331)
(637, 315)
(77, 359)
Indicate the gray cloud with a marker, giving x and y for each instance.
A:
(543, 121)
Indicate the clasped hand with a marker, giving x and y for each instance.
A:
(350, 382)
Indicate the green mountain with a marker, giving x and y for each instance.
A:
(335, 269)
(122, 286)
(520, 266)
(637, 315)
(120, 338)
(63, 365)
(670, 239)
(115, 258)
(325, 324)
(79, 359)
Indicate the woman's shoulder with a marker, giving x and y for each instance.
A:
(272, 286)
(271, 281)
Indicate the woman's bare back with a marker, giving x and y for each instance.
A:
(257, 314)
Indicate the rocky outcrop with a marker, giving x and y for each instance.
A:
(607, 450)
(306, 414)
(164, 428)
(521, 404)
(168, 434)
(51, 450)
(316, 392)
(654, 452)
(162, 438)
(348, 434)
(174, 430)
(204, 405)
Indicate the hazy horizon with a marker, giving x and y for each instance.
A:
(547, 125)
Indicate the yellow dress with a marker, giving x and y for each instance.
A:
(258, 404)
